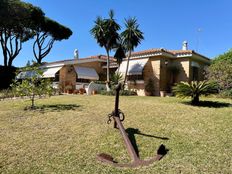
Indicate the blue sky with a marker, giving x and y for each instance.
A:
(165, 23)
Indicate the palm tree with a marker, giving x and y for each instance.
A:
(131, 38)
(105, 31)
(119, 54)
(195, 89)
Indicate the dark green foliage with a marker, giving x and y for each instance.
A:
(105, 31)
(120, 53)
(116, 78)
(226, 57)
(131, 38)
(7, 75)
(47, 32)
(220, 71)
(150, 87)
(17, 20)
(195, 89)
(226, 93)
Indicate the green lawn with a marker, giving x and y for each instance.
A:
(69, 131)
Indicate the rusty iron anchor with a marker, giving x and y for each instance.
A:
(118, 117)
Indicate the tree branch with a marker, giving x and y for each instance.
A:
(45, 53)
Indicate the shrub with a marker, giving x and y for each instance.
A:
(33, 86)
(7, 75)
(195, 89)
(150, 87)
(220, 71)
(116, 78)
(8, 93)
(226, 93)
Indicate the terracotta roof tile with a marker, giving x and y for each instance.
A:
(139, 53)
(161, 50)
(102, 57)
(175, 52)
(150, 51)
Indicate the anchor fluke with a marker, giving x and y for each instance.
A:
(103, 157)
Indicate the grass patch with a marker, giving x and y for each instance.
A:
(71, 130)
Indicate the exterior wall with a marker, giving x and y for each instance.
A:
(161, 75)
(138, 86)
(183, 65)
(153, 72)
(67, 76)
(155, 68)
(164, 74)
(98, 67)
(150, 70)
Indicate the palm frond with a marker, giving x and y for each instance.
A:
(195, 88)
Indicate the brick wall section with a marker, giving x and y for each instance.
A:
(67, 76)
(152, 70)
(95, 65)
(98, 67)
(183, 64)
(163, 77)
(164, 74)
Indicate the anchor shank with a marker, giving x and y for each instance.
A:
(118, 88)
(129, 147)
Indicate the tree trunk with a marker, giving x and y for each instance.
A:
(127, 66)
(108, 71)
(5, 57)
(195, 100)
(33, 101)
(10, 61)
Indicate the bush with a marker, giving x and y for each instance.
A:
(7, 75)
(195, 89)
(150, 87)
(6, 93)
(122, 93)
(226, 93)
(33, 86)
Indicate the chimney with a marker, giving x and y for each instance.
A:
(76, 54)
(185, 45)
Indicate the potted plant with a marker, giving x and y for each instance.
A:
(76, 91)
(69, 89)
(82, 91)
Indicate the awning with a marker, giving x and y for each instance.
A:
(26, 74)
(135, 66)
(86, 73)
(51, 72)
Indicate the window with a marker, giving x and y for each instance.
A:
(134, 77)
(57, 77)
(195, 71)
(83, 80)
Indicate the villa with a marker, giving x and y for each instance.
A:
(163, 67)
